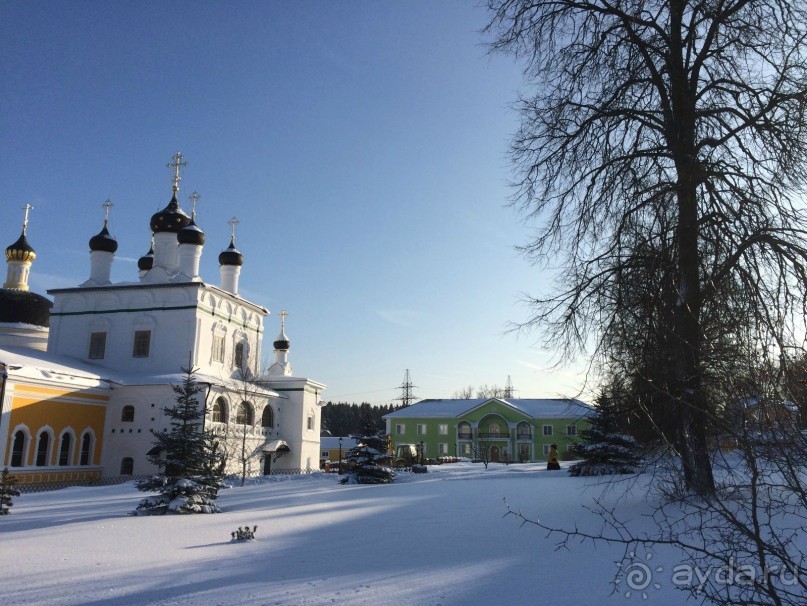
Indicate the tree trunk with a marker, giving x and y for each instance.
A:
(687, 330)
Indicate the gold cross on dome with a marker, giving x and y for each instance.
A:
(233, 222)
(283, 314)
(107, 206)
(176, 165)
(194, 198)
(26, 208)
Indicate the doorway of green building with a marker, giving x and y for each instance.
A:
(494, 454)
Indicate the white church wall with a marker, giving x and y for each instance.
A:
(301, 421)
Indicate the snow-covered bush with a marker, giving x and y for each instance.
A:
(244, 534)
(604, 449)
(368, 462)
(7, 490)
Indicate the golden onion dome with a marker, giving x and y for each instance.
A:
(21, 250)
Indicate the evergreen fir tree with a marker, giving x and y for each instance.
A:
(190, 460)
(7, 490)
(605, 448)
(368, 462)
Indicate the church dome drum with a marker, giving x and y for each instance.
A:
(170, 219)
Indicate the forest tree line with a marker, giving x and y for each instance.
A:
(344, 419)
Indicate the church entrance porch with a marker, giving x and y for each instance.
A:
(494, 454)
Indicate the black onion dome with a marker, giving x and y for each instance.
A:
(171, 219)
(282, 343)
(231, 256)
(20, 250)
(24, 307)
(146, 262)
(103, 241)
(191, 234)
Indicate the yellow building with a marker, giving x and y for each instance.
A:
(52, 422)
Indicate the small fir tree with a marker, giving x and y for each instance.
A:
(7, 490)
(369, 462)
(605, 449)
(190, 459)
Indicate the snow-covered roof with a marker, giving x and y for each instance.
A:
(29, 363)
(535, 408)
(24, 362)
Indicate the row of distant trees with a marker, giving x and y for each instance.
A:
(483, 391)
(345, 419)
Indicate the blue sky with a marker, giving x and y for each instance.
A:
(362, 146)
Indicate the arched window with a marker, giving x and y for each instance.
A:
(493, 429)
(64, 449)
(86, 449)
(127, 415)
(244, 414)
(220, 411)
(43, 449)
(240, 357)
(268, 418)
(464, 430)
(18, 449)
(127, 466)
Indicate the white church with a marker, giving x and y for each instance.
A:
(84, 381)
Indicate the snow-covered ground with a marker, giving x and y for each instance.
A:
(436, 538)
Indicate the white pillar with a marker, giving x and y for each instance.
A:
(100, 266)
(189, 257)
(166, 251)
(229, 278)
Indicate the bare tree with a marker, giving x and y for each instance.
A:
(466, 393)
(481, 448)
(695, 107)
(494, 391)
(242, 445)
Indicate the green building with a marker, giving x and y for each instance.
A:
(516, 430)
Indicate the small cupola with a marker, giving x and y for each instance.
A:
(281, 366)
(231, 256)
(102, 252)
(146, 262)
(21, 250)
(282, 342)
(191, 234)
(103, 240)
(19, 257)
(230, 262)
(190, 239)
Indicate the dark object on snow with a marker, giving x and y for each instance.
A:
(244, 534)
(419, 469)
(552, 460)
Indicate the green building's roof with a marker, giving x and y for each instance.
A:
(535, 408)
